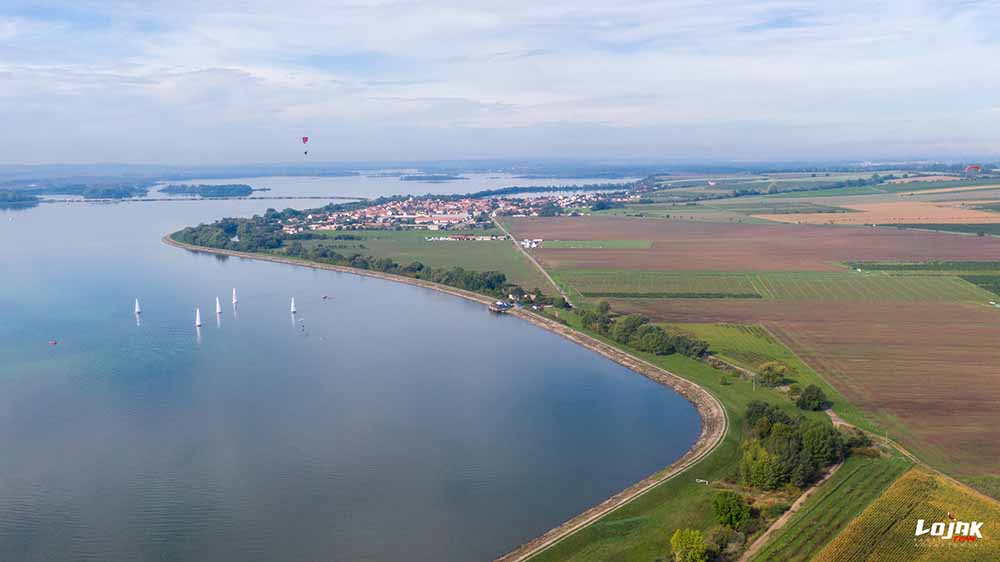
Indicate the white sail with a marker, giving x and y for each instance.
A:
(218, 306)
(234, 296)
(293, 305)
(197, 317)
(138, 310)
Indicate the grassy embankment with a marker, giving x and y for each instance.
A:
(641, 529)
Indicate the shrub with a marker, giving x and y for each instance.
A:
(688, 546)
(812, 398)
(731, 510)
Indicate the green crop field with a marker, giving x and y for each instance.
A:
(598, 244)
(866, 287)
(406, 246)
(991, 229)
(835, 192)
(614, 281)
(846, 286)
(885, 530)
(831, 507)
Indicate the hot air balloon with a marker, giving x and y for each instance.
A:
(305, 140)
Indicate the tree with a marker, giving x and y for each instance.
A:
(758, 468)
(624, 327)
(821, 443)
(731, 510)
(772, 373)
(812, 398)
(688, 545)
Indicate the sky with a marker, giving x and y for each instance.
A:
(202, 82)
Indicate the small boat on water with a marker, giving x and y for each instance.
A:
(234, 296)
(197, 318)
(218, 306)
(293, 306)
(138, 309)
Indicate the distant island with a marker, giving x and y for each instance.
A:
(202, 190)
(17, 200)
(432, 177)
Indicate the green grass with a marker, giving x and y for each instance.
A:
(835, 192)
(992, 229)
(598, 244)
(952, 266)
(749, 346)
(406, 246)
(874, 287)
(989, 283)
(641, 530)
(779, 207)
(606, 281)
(840, 286)
(831, 507)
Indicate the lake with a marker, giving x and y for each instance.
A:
(384, 423)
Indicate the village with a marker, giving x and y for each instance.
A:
(445, 213)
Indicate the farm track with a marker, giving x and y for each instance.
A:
(786, 516)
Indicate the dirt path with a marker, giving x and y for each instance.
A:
(714, 419)
(777, 525)
(532, 259)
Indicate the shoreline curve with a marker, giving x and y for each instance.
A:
(714, 419)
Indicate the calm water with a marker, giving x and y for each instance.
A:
(387, 423)
(364, 186)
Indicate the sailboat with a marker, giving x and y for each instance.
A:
(138, 309)
(218, 306)
(293, 305)
(197, 318)
(234, 296)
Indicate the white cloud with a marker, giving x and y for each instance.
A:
(778, 79)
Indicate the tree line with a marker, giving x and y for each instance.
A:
(637, 332)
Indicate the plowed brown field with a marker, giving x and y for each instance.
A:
(928, 371)
(690, 245)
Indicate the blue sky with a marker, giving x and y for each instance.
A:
(204, 82)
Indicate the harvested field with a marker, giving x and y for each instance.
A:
(929, 372)
(692, 245)
(897, 212)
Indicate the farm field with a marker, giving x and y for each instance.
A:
(597, 244)
(885, 530)
(406, 246)
(831, 508)
(695, 245)
(846, 286)
(896, 212)
(750, 345)
(972, 229)
(913, 350)
(925, 371)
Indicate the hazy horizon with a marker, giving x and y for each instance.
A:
(188, 83)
